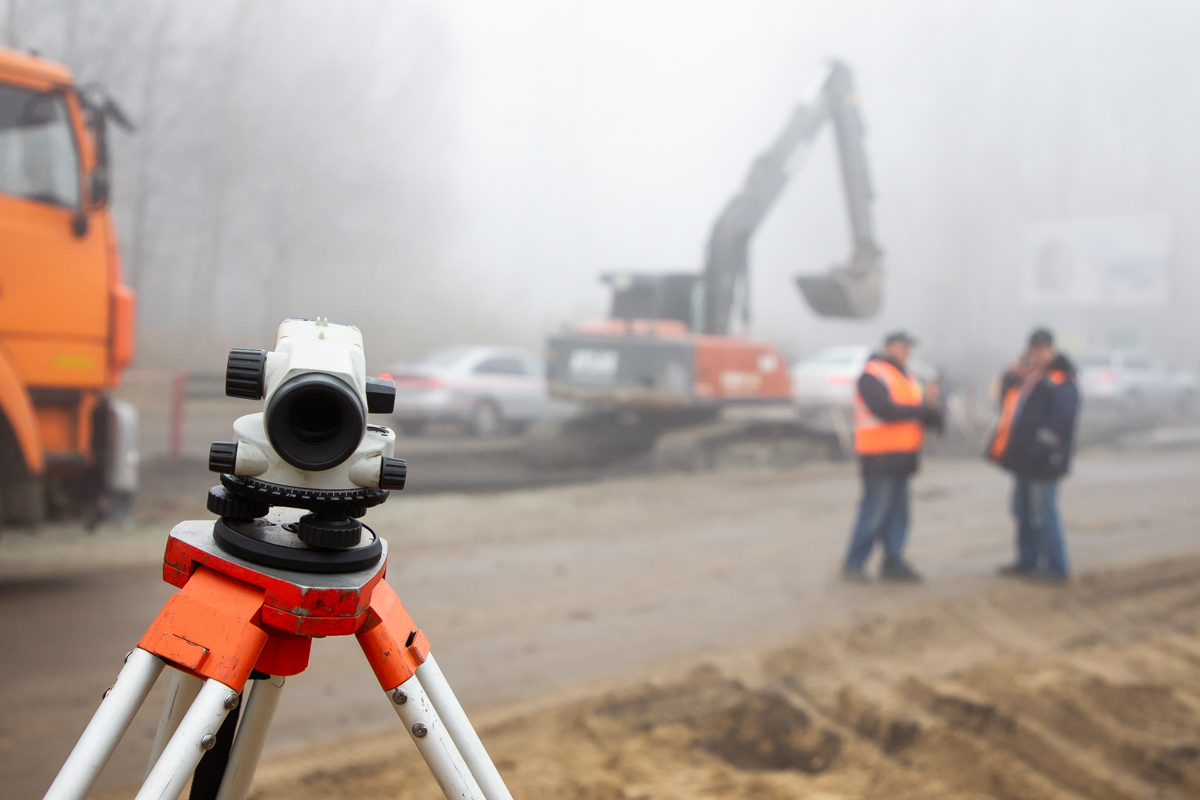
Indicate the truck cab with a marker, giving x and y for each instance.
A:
(66, 318)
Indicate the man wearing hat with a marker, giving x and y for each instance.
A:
(1033, 440)
(892, 409)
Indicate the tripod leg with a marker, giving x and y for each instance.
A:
(197, 733)
(461, 730)
(180, 695)
(251, 734)
(433, 741)
(108, 725)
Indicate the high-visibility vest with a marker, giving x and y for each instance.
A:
(1008, 410)
(1011, 404)
(873, 436)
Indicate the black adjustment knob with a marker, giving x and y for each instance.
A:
(246, 373)
(222, 457)
(381, 396)
(224, 503)
(329, 534)
(393, 473)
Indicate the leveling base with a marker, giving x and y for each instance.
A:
(236, 621)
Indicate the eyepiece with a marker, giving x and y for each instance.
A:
(315, 421)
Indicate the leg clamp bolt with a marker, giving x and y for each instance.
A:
(419, 730)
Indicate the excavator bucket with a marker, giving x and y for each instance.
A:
(839, 294)
(851, 291)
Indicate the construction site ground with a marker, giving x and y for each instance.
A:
(686, 635)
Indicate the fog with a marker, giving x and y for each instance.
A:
(442, 173)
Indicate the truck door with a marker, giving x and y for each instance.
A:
(53, 266)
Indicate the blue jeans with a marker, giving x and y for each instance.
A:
(882, 516)
(1040, 544)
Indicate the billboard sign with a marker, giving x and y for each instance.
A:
(1109, 262)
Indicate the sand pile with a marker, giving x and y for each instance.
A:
(1088, 691)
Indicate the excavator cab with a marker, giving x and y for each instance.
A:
(675, 296)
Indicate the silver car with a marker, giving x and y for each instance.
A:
(487, 391)
(829, 379)
(1131, 383)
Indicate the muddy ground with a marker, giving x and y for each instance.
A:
(1020, 693)
(687, 636)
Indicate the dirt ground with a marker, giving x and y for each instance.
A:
(1020, 693)
(767, 676)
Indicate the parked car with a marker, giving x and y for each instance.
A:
(830, 377)
(1132, 383)
(485, 390)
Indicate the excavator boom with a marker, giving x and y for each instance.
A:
(851, 290)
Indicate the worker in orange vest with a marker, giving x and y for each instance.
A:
(892, 409)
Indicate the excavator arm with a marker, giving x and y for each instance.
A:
(851, 290)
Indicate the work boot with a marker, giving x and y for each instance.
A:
(1014, 570)
(855, 575)
(897, 569)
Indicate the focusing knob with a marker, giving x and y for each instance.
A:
(223, 503)
(381, 396)
(222, 457)
(245, 374)
(393, 473)
(329, 534)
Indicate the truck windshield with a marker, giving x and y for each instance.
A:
(38, 159)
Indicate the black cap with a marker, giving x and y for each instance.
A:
(899, 336)
(1041, 337)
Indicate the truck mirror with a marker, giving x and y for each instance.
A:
(98, 186)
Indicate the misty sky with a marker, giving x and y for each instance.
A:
(451, 172)
(593, 136)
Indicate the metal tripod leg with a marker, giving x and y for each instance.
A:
(461, 731)
(180, 696)
(433, 741)
(251, 734)
(108, 725)
(196, 733)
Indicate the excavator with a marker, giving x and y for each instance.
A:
(669, 355)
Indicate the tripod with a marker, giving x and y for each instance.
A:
(238, 618)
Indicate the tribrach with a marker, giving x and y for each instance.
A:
(286, 562)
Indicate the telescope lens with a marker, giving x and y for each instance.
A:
(315, 421)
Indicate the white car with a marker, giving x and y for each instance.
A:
(485, 390)
(1132, 383)
(829, 379)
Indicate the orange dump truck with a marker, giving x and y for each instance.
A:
(66, 320)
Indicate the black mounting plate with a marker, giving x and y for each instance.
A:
(269, 543)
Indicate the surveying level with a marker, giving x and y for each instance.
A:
(287, 561)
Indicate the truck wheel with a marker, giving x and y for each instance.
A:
(23, 500)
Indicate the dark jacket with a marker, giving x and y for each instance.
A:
(879, 401)
(1041, 435)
